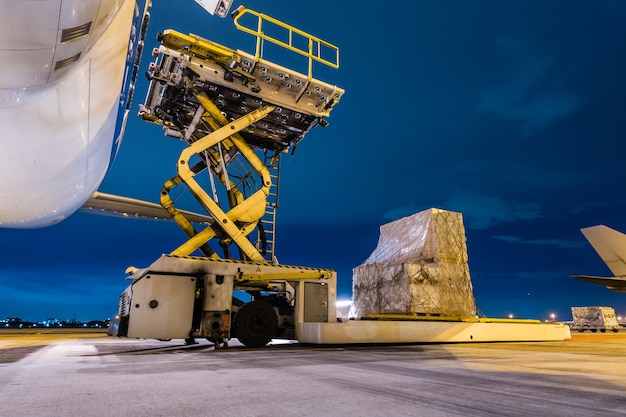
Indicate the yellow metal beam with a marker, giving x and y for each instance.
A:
(247, 211)
(268, 276)
(198, 46)
(267, 280)
(181, 220)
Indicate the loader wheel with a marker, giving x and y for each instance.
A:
(256, 323)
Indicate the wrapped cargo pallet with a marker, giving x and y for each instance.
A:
(419, 267)
(594, 319)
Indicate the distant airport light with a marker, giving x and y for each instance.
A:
(552, 316)
(510, 316)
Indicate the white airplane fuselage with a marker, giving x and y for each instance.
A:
(64, 85)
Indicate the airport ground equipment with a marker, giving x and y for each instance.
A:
(238, 113)
(594, 319)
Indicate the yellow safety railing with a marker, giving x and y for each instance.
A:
(315, 44)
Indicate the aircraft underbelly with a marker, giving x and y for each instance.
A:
(57, 136)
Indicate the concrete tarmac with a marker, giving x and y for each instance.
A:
(89, 374)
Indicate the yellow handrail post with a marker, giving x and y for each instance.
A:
(258, 52)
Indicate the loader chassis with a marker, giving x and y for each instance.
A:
(189, 297)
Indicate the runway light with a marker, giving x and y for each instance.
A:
(510, 316)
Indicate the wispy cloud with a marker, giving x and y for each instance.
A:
(402, 211)
(479, 211)
(482, 211)
(541, 275)
(613, 204)
(559, 243)
(524, 173)
(533, 94)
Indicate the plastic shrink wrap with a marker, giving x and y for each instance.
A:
(594, 318)
(419, 267)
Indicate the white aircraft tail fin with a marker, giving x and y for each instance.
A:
(610, 245)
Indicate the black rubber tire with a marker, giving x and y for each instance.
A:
(256, 323)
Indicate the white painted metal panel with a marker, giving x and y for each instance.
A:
(162, 307)
(357, 331)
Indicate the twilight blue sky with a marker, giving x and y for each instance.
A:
(511, 112)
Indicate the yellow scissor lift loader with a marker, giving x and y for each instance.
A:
(238, 113)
